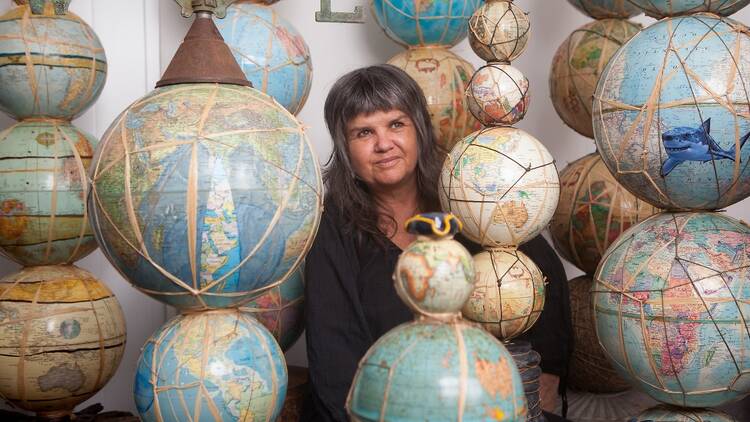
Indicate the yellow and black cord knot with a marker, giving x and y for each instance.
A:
(438, 224)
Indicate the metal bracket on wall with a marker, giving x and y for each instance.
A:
(325, 14)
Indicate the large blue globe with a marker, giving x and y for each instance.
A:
(271, 52)
(671, 113)
(425, 22)
(434, 371)
(211, 366)
(205, 195)
(662, 8)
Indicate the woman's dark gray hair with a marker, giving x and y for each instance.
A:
(365, 91)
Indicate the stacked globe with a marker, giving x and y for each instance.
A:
(206, 194)
(438, 367)
(503, 184)
(428, 29)
(594, 209)
(54, 353)
(270, 51)
(671, 122)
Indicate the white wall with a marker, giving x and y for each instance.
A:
(140, 37)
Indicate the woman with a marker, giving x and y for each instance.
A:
(384, 169)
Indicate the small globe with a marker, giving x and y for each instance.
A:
(420, 22)
(662, 8)
(434, 277)
(224, 363)
(436, 371)
(443, 77)
(52, 65)
(270, 51)
(594, 210)
(502, 184)
(205, 195)
(664, 413)
(671, 113)
(509, 294)
(605, 9)
(499, 31)
(670, 302)
(590, 370)
(62, 336)
(281, 309)
(577, 65)
(43, 216)
(498, 94)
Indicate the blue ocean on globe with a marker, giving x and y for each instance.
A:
(271, 52)
(211, 366)
(425, 22)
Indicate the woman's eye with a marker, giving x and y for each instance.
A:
(397, 124)
(364, 132)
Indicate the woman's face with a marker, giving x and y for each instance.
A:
(383, 149)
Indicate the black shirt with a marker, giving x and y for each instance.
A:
(350, 302)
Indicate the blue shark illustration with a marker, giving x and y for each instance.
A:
(694, 144)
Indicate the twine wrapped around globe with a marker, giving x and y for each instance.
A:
(498, 94)
(443, 77)
(224, 361)
(671, 116)
(43, 212)
(51, 65)
(270, 51)
(670, 304)
(605, 9)
(62, 336)
(577, 65)
(594, 210)
(509, 293)
(281, 309)
(590, 370)
(502, 183)
(499, 31)
(664, 8)
(420, 23)
(205, 195)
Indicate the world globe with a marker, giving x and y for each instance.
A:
(662, 8)
(499, 31)
(50, 65)
(443, 77)
(594, 210)
(590, 369)
(281, 309)
(498, 94)
(434, 278)
(670, 298)
(670, 113)
(62, 336)
(664, 413)
(432, 370)
(219, 365)
(420, 22)
(502, 184)
(605, 9)
(577, 65)
(43, 217)
(509, 293)
(205, 195)
(270, 51)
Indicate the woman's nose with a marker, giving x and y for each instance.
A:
(384, 142)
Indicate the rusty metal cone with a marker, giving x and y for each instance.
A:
(203, 57)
